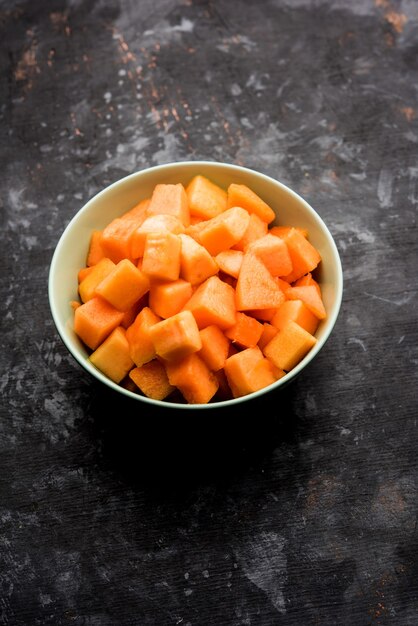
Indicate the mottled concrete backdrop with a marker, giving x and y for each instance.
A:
(304, 512)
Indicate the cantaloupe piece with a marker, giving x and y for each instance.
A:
(307, 279)
(153, 224)
(256, 288)
(193, 378)
(206, 199)
(246, 331)
(94, 321)
(112, 356)
(196, 264)
(256, 228)
(229, 261)
(248, 371)
(305, 257)
(124, 285)
(115, 238)
(215, 347)
(281, 231)
(269, 331)
(223, 231)
(95, 251)
(289, 346)
(170, 199)
(151, 378)
(298, 312)
(83, 272)
(130, 314)
(169, 297)
(243, 196)
(161, 258)
(213, 302)
(141, 347)
(87, 286)
(273, 252)
(311, 297)
(176, 337)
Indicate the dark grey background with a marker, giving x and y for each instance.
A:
(304, 511)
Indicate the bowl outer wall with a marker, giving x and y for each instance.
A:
(290, 208)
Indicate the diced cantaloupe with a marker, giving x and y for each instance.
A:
(193, 378)
(95, 251)
(224, 230)
(289, 346)
(206, 199)
(97, 272)
(305, 257)
(311, 297)
(246, 331)
(248, 371)
(298, 312)
(170, 199)
(153, 224)
(243, 196)
(256, 288)
(151, 378)
(215, 347)
(115, 237)
(213, 302)
(169, 297)
(256, 228)
(112, 356)
(269, 331)
(161, 258)
(176, 337)
(273, 252)
(124, 285)
(94, 321)
(229, 261)
(141, 347)
(196, 264)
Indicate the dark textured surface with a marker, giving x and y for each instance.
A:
(304, 512)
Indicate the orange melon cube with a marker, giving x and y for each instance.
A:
(256, 288)
(124, 285)
(273, 252)
(223, 231)
(95, 251)
(243, 196)
(94, 321)
(206, 199)
(176, 337)
(213, 302)
(248, 371)
(305, 257)
(95, 275)
(269, 331)
(115, 238)
(153, 224)
(311, 297)
(246, 331)
(229, 261)
(289, 346)
(141, 347)
(298, 312)
(112, 356)
(196, 264)
(170, 199)
(256, 228)
(151, 378)
(215, 347)
(193, 378)
(282, 231)
(84, 272)
(168, 298)
(161, 258)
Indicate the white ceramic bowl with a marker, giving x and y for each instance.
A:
(291, 209)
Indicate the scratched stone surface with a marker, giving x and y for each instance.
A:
(304, 510)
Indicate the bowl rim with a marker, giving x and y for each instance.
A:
(166, 404)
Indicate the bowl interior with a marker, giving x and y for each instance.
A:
(290, 208)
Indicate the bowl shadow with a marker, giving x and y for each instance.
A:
(174, 450)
